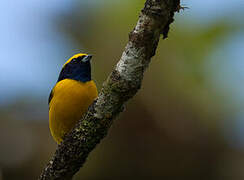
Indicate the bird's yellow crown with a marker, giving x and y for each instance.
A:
(75, 56)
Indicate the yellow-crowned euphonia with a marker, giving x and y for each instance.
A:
(71, 96)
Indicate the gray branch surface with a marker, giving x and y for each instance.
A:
(121, 85)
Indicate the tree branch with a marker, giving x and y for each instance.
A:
(121, 85)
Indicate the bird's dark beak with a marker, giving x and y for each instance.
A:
(87, 58)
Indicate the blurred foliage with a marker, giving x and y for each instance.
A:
(171, 129)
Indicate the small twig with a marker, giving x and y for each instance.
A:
(181, 8)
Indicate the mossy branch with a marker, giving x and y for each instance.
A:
(121, 85)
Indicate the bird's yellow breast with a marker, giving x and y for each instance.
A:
(70, 100)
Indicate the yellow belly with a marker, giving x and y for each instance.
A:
(70, 100)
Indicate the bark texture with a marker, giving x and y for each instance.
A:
(121, 85)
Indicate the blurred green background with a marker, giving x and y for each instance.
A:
(187, 121)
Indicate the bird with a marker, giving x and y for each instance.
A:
(71, 96)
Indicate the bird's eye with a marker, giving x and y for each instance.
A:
(75, 60)
(80, 58)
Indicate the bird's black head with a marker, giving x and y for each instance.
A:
(77, 68)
